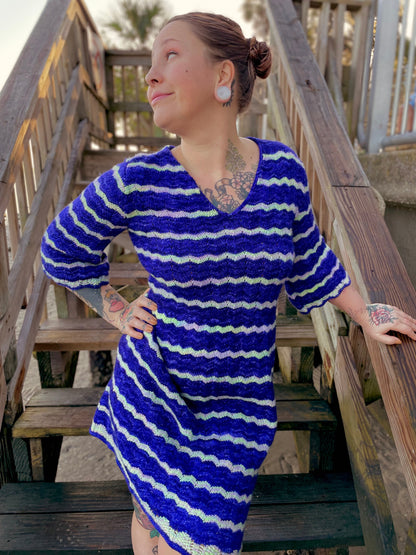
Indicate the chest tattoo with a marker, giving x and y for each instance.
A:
(230, 192)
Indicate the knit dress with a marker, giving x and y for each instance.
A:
(189, 411)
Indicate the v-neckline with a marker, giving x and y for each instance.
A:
(203, 195)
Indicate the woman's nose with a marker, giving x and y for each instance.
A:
(151, 77)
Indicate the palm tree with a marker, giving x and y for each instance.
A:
(136, 22)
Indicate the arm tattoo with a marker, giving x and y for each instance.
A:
(92, 297)
(380, 314)
(105, 301)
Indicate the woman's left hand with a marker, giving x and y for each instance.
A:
(383, 318)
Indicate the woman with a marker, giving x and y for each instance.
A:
(221, 223)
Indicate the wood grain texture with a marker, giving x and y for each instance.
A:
(288, 511)
(372, 498)
(339, 185)
(370, 254)
(54, 421)
(94, 334)
(69, 411)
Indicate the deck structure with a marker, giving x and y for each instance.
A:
(60, 128)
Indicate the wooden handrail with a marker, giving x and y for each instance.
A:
(49, 92)
(347, 212)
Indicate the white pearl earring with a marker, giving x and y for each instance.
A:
(224, 93)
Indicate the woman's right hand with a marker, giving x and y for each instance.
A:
(137, 317)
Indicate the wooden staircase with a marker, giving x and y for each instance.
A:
(317, 509)
(59, 131)
(305, 511)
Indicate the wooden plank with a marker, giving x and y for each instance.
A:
(95, 163)
(281, 489)
(313, 102)
(20, 93)
(372, 498)
(45, 416)
(83, 337)
(125, 273)
(278, 114)
(323, 31)
(65, 497)
(36, 458)
(127, 57)
(91, 395)
(284, 527)
(68, 497)
(145, 141)
(4, 269)
(287, 512)
(66, 533)
(304, 415)
(306, 526)
(28, 246)
(66, 397)
(326, 345)
(37, 299)
(295, 331)
(382, 277)
(38, 422)
(367, 253)
(69, 334)
(295, 392)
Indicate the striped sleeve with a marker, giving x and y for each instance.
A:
(73, 246)
(317, 275)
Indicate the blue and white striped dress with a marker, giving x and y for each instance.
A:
(190, 412)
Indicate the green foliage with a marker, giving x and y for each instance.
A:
(136, 22)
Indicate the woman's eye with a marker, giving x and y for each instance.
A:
(170, 54)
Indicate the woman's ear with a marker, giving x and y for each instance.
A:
(226, 73)
(225, 82)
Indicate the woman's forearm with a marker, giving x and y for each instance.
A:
(105, 301)
(130, 318)
(377, 319)
(351, 302)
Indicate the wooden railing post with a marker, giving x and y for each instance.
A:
(347, 212)
(48, 93)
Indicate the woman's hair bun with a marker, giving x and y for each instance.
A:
(261, 57)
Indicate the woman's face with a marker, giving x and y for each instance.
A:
(182, 79)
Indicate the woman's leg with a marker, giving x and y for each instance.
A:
(144, 536)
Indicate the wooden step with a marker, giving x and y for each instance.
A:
(69, 411)
(59, 412)
(95, 334)
(302, 511)
(125, 273)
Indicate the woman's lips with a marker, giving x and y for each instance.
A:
(157, 97)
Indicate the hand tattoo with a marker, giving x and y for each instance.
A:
(380, 314)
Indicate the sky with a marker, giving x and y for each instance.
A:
(19, 17)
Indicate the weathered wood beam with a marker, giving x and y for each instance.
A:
(376, 519)
(365, 245)
(19, 96)
(28, 248)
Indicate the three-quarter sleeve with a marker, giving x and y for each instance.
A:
(73, 246)
(317, 274)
